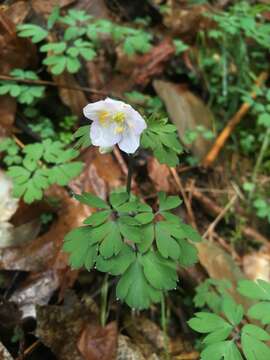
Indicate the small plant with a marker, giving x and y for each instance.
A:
(168, 147)
(81, 37)
(126, 237)
(24, 93)
(37, 166)
(230, 336)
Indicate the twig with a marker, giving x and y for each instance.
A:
(179, 184)
(220, 216)
(51, 83)
(214, 210)
(226, 132)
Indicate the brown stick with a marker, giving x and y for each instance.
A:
(214, 210)
(51, 83)
(226, 132)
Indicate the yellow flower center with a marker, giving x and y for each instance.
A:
(119, 118)
(103, 117)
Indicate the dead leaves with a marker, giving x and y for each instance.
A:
(98, 343)
(72, 332)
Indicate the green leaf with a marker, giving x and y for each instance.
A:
(112, 242)
(72, 64)
(224, 350)
(184, 231)
(166, 244)
(35, 32)
(82, 137)
(188, 253)
(129, 232)
(204, 322)
(160, 273)
(97, 218)
(117, 265)
(80, 244)
(256, 332)
(147, 233)
(260, 311)
(118, 198)
(253, 348)
(168, 203)
(92, 200)
(233, 312)
(63, 174)
(53, 17)
(259, 289)
(134, 289)
(145, 218)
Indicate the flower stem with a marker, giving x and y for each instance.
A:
(130, 172)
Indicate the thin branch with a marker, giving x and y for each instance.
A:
(51, 83)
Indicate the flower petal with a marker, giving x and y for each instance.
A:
(91, 111)
(135, 121)
(103, 136)
(129, 142)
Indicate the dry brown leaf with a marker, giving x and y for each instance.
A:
(37, 289)
(98, 343)
(186, 111)
(126, 350)
(220, 265)
(46, 7)
(74, 99)
(153, 63)
(161, 176)
(257, 265)
(59, 327)
(17, 11)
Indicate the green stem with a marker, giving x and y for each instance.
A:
(164, 325)
(104, 299)
(259, 161)
(130, 172)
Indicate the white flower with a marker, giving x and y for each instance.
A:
(114, 122)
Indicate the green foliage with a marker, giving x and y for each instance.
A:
(180, 46)
(37, 166)
(125, 238)
(257, 290)
(82, 34)
(262, 208)
(147, 104)
(24, 93)
(200, 130)
(228, 335)
(34, 32)
(162, 139)
(82, 137)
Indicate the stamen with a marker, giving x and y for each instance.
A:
(119, 130)
(103, 117)
(119, 117)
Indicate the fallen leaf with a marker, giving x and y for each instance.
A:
(186, 111)
(153, 63)
(74, 99)
(17, 11)
(161, 176)
(46, 7)
(60, 327)
(98, 343)
(257, 265)
(127, 350)
(37, 289)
